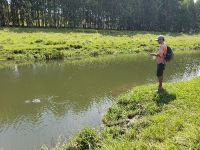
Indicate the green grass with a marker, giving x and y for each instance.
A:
(29, 44)
(140, 119)
(143, 119)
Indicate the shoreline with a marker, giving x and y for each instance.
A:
(144, 119)
(104, 58)
(29, 45)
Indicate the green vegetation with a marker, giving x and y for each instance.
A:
(143, 119)
(28, 45)
(151, 15)
(86, 139)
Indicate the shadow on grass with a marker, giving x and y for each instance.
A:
(109, 32)
(164, 97)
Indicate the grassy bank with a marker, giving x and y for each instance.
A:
(24, 44)
(143, 119)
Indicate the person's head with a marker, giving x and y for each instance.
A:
(160, 39)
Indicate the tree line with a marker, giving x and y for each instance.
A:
(154, 15)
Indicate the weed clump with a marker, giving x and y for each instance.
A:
(52, 55)
(39, 41)
(94, 53)
(87, 139)
(76, 46)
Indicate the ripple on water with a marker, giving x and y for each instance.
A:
(36, 100)
(40, 99)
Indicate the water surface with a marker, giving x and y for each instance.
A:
(47, 103)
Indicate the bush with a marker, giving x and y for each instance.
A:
(94, 53)
(85, 140)
(55, 43)
(39, 41)
(52, 55)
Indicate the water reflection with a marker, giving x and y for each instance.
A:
(190, 72)
(41, 103)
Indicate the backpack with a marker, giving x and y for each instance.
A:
(169, 54)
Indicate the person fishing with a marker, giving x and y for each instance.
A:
(161, 60)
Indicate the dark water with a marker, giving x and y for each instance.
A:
(46, 103)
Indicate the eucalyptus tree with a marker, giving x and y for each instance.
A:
(197, 7)
(4, 17)
(156, 15)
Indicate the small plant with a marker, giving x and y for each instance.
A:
(10, 57)
(76, 46)
(55, 43)
(17, 51)
(39, 41)
(1, 47)
(87, 139)
(94, 53)
(52, 54)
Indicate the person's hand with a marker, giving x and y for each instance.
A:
(153, 54)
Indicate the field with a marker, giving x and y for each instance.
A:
(32, 44)
(143, 119)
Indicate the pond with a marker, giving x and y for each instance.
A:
(46, 103)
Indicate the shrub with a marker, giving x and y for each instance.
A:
(39, 41)
(52, 54)
(85, 140)
(94, 53)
